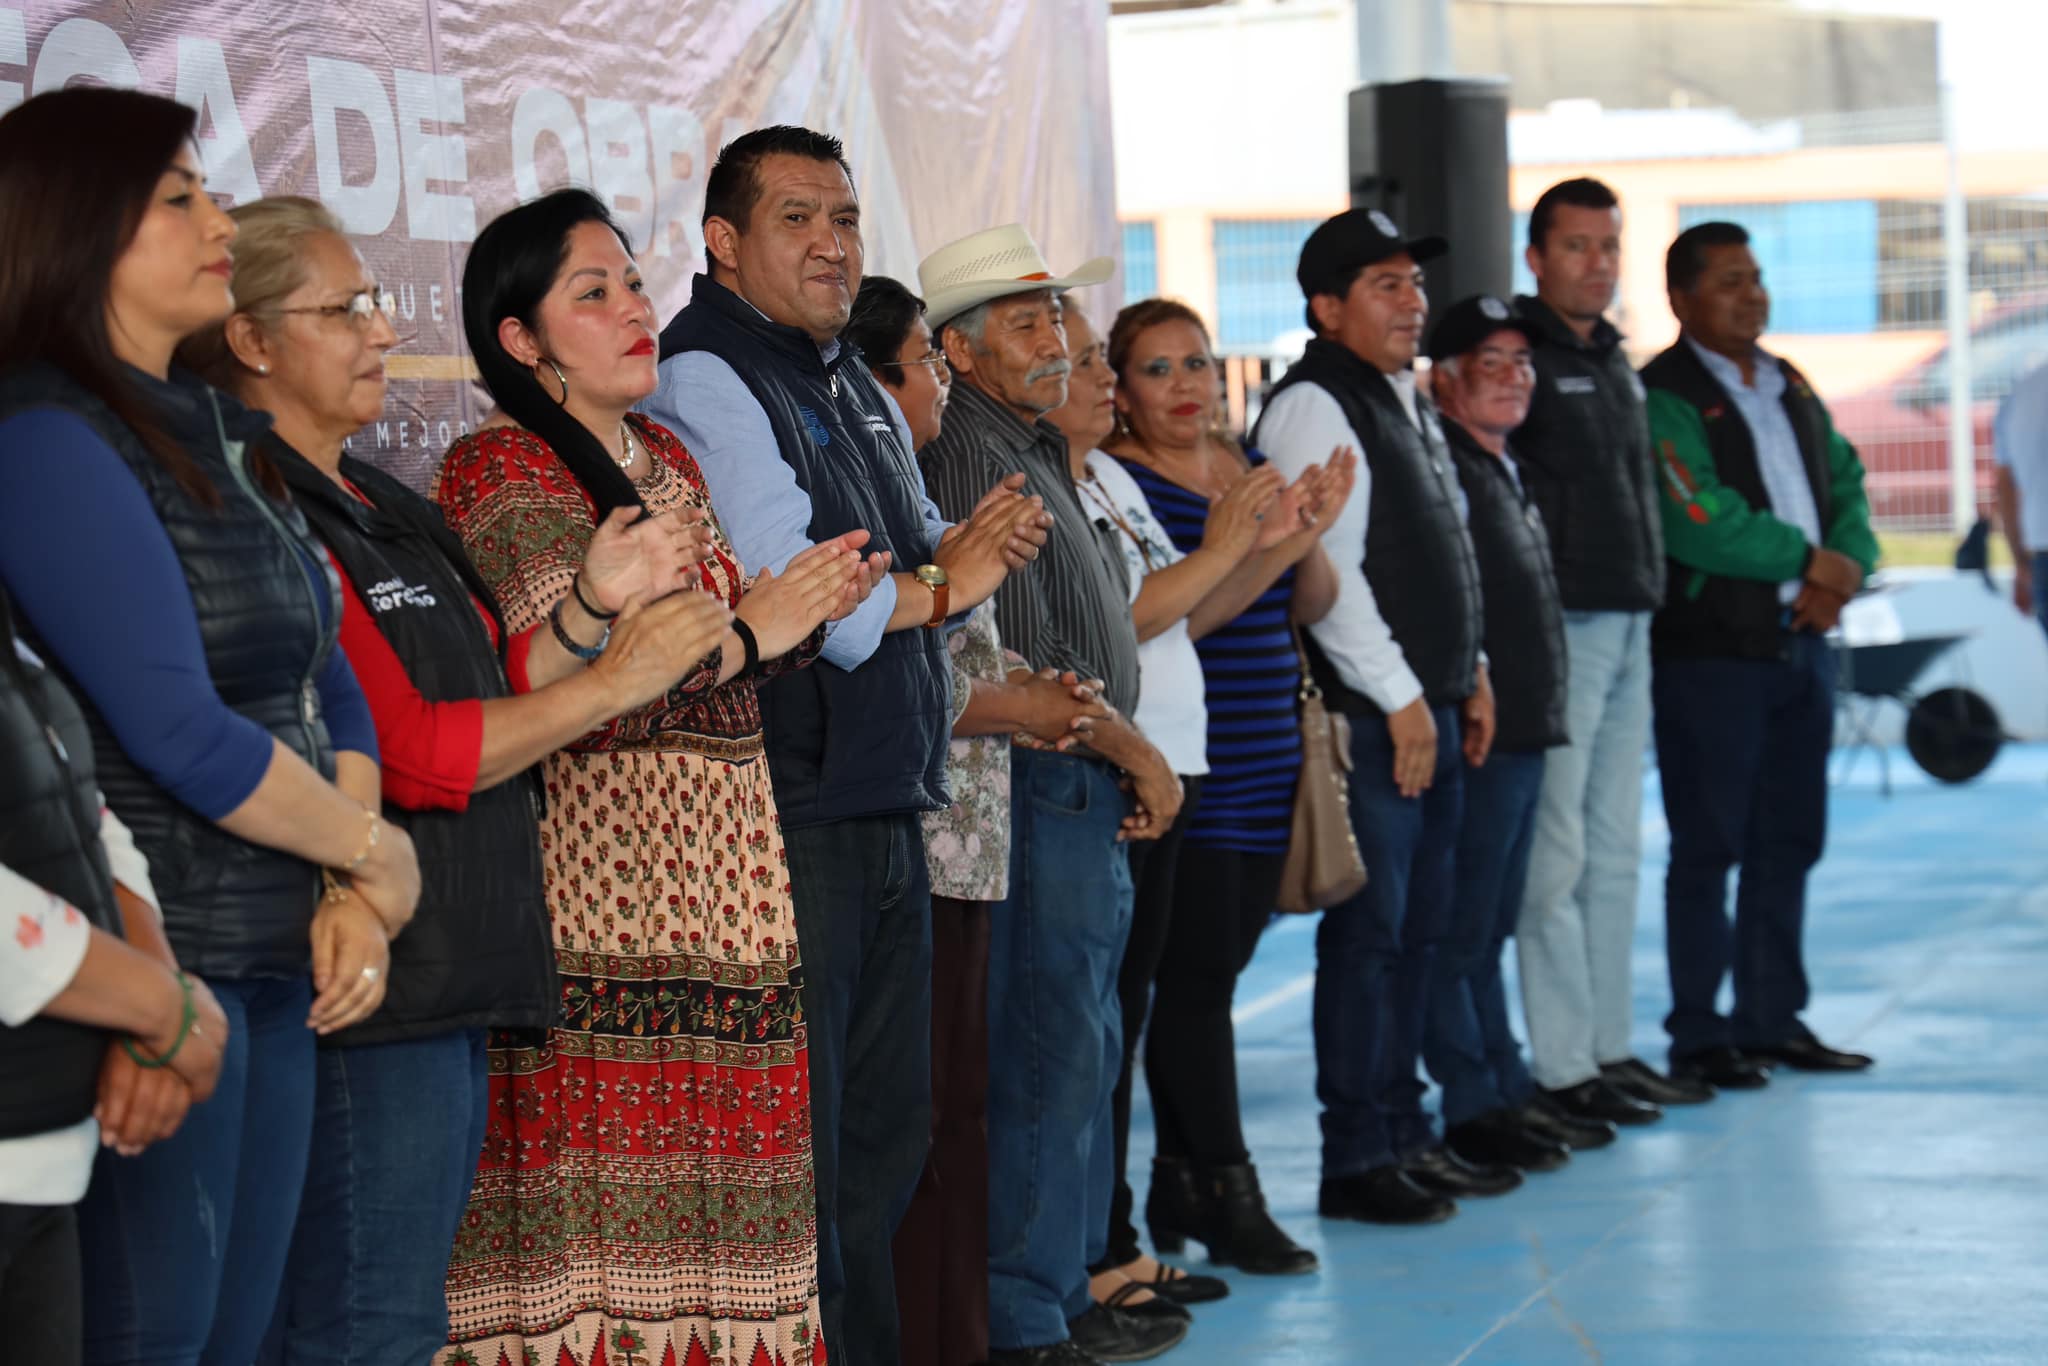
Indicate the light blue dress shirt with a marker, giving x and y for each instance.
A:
(2020, 437)
(1762, 406)
(765, 512)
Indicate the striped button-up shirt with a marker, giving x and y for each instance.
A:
(1071, 607)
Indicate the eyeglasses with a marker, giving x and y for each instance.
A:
(360, 307)
(934, 361)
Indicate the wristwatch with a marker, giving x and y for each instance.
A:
(934, 578)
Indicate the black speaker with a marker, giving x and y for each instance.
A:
(1433, 155)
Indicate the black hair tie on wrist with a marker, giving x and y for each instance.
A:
(747, 641)
(576, 587)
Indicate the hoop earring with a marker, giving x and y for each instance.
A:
(560, 378)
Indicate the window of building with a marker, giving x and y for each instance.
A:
(1819, 258)
(1257, 297)
(1525, 279)
(1141, 260)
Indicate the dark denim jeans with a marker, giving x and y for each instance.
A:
(1742, 745)
(1154, 864)
(1373, 954)
(1055, 1043)
(395, 1140)
(1466, 1041)
(864, 927)
(41, 1305)
(184, 1247)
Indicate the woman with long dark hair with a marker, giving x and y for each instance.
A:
(1171, 444)
(159, 567)
(464, 709)
(646, 1177)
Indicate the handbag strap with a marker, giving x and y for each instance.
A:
(1307, 691)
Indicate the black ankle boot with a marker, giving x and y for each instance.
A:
(1241, 1233)
(1175, 1207)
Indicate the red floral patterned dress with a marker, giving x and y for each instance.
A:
(644, 1196)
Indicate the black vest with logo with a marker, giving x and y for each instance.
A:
(479, 950)
(231, 909)
(1710, 616)
(1418, 557)
(1525, 647)
(841, 744)
(49, 834)
(1584, 453)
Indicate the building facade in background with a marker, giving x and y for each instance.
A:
(1821, 133)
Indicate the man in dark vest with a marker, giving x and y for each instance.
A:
(1400, 654)
(1482, 373)
(1055, 1022)
(1584, 455)
(1768, 531)
(796, 445)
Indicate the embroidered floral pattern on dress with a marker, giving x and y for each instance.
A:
(645, 1192)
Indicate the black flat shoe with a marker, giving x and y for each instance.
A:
(1185, 1287)
(1810, 1055)
(1052, 1354)
(1542, 1118)
(1595, 1099)
(1383, 1195)
(1443, 1171)
(1498, 1138)
(1723, 1068)
(1636, 1078)
(1118, 1335)
(1158, 1307)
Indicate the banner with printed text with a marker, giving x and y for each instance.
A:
(417, 121)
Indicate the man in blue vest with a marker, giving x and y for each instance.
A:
(1400, 654)
(795, 441)
(1768, 530)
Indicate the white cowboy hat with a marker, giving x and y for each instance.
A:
(992, 265)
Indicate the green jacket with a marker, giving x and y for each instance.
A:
(1728, 551)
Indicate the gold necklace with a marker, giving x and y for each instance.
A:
(625, 461)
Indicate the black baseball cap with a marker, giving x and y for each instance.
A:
(1342, 246)
(1469, 322)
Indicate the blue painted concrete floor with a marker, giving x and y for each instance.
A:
(1896, 1217)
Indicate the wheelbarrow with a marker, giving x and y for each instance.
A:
(1952, 733)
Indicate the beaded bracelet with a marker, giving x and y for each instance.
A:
(586, 653)
(188, 1014)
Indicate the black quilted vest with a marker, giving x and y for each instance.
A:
(49, 834)
(1418, 556)
(232, 909)
(479, 950)
(1525, 647)
(870, 742)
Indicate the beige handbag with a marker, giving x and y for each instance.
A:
(1323, 863)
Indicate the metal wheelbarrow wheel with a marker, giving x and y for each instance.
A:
(1953, 734)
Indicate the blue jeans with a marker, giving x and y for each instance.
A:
(1578, 922)
(863, 904)
(1055, 1042)
(1466, 1041)
(184, 1247)
(397, 1131)
(1373, 953)
(1743, 747)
